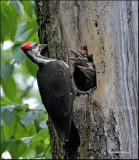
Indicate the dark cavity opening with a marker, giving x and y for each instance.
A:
(45, 51)
(82, 82)
(96, 24)
(84, 47)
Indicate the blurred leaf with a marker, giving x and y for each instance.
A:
(16, 149)
(5, 55)
(46, 141)
(9, 88)
(3, 28)
(6, 71)
(27, 140)
(28, 118)
(18, 100)
(19, 35)
(36, 122)
(17, 53)
(34, 37)
(27, 7)
(31, 24)
(4, 144)
(39, 148)
(3, 102)
(31, 129)
(44, 117)
(32, 68)
(20, 132)
(2, 122)
(17, 6)
(7, 107)
(8, 21)
(30, 153)
(43, 124)
(40, 136)
(7, 116)
(9, 130)
(19, 113)
(34, 30)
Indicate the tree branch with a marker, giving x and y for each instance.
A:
(28, 89)
(23, 106)
(45, 151)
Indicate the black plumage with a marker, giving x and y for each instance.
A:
(55, 86)
(56, 90)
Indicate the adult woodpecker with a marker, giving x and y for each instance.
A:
(55, 87)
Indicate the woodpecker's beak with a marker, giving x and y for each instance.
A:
(80, 61)
(82, 68)
(41, 46)
(74, 53)
(86, 69)
(73, 58)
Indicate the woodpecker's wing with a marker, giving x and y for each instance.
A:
(55, 86)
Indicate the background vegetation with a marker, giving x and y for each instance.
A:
(24, 133)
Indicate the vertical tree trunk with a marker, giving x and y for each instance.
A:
(108, 123)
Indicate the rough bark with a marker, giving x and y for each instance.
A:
(108, 123)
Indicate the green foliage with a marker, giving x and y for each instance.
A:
(17, 54)
(8, 21)
(32, 68)
(38, 137)
(6, 71)
(28, 118)
(24, 132)
(9, 88)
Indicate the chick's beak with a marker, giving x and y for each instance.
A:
(74, 53)
(82, 68)
(73, 58)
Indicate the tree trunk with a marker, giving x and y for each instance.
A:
(108, 123)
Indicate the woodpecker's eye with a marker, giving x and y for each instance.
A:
(33, 45)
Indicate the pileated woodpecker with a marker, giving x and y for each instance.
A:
(55, 86)
(56, 90)
(83, 54)
(89, 71)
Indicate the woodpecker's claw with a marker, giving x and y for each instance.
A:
(89, 92)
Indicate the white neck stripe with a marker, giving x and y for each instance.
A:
(41, 60)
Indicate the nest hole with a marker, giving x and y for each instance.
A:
(84, 48)
(82, 82)
(45, 51)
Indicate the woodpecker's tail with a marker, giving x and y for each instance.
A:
(73, 143)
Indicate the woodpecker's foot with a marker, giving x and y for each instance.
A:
(89, 92)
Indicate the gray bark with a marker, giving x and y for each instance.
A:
(108, 123)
